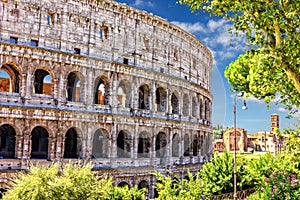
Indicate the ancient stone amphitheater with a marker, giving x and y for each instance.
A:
(101, 81)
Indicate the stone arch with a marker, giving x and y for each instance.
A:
(123, 184)
(186, 145)
(194, 107)
(39, 142)
(72, 144)
(100, 148)
(144, 96)
(124, 144)
(186, 105)
(175, 103)
(10, 78)
(124, 94)
(195, 145)
(43, 81)
(143, 184)
(161, 99)
(161, 143)
(74, 86)
(144, 145)
(175, 145)
(101, 91)
(8, 141)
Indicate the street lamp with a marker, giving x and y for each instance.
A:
(234, 158)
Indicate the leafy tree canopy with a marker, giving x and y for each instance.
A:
(271, 63)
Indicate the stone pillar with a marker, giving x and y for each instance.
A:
(55, 88)
(23, 85)
(19, 146)
(153, 152)
(135, 145)
(89, 88)
(170, 147)
(113, 101)
(113, 150)
(153, 107)
(52, 148)
(134, 94)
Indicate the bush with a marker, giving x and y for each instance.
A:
(280, 185)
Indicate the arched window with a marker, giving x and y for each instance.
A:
(101, 92)
(39, 141)
(174, 104)
(186, 105)
(144, 145)
(71, 143)
(123, 145)
(100, 144)
(42, 82)
(201, 109)
(9, 76)
(161, 143)
(186, 145)
(73, 87)
(123, 184)
(161, 99)
(8, 141)
(195, 146)
(124, 94)
(143, 184)
(144, 97)
(175, 145)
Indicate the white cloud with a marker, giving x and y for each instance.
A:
(141, 3)
(191, 27)
(214, 25)
(283, 110)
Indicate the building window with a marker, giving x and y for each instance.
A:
(50, 18)
(125, 61)
(34, 43)
(77, 51)
(13, 40)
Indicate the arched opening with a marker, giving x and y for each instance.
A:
(73, 87)
(9, 78)
(201, 109)
(194, 107)
(186, 146)
(195, 146)
(8, 141)
(144, 145)
(174, 103)
(100, 147)
(143, 184)
(123, 184)
(144, 97)
(124, 94)
(42, 82)
(39, 143)
(186, 105)
(161, 99)
(161, 143)
(123, 145)
(71, 142)
(175, 145)
(101, 91)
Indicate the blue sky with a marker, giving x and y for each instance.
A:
(225, 48)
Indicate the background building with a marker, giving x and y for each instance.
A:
(104, 82)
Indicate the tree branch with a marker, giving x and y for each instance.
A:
(293, 77)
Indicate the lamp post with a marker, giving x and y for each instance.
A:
(234, 158)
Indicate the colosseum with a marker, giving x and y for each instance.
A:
(101, 81)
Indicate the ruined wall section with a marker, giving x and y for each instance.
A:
(107, 30)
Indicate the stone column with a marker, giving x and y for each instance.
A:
(23, 85)
(19, 146)
(51, 149)
(153, 108)
(135, 145)
(114, 147)
(113, 101)
(170, 145)
(153, 152)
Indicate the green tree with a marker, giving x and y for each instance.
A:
(74, 181)
(271, 64)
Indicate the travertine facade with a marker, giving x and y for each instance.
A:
(101, 81)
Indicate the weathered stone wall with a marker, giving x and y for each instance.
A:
(152, 79)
